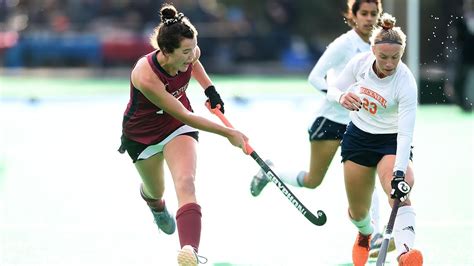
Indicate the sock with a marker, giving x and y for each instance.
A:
(292, 178)
(188, 219)
(404, 229)
(157, 205)
(364, 226)
(375, 212)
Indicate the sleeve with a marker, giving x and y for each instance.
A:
(344, 80)
(333, 56)
(407, 105)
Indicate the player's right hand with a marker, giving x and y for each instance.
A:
(350, 101)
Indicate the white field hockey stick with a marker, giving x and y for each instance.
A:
(318, 219)
(388, 234)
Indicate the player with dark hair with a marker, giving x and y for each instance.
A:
(381, 93)
(159, 125)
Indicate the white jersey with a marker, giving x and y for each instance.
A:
(328, 67)
(389, 104)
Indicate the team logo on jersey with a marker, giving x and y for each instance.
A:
(374, 95)
(179, 92)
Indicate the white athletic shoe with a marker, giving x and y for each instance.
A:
(188, 257)
(259, 181)
(376, 244)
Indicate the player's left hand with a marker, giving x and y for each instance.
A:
(238, 139)
(400, 188)
(214, 98)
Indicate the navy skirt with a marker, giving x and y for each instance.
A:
(365, 148)
(325, 129)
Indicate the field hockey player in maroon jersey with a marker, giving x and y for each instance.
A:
(159, 125)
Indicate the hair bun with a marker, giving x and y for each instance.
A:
(168, 12)
(387, 21)
(386, 25)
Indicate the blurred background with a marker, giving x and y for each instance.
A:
(67, 197)
(270, 37)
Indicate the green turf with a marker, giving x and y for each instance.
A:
(46, 87)
(443, 161)
(27, 87)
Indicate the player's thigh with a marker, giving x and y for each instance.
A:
(322, 153)
(181, 157)
(359, 181)
(152, 174)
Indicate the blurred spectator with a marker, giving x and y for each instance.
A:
(108, 32)
(3, 12)
(459, 85)
(280, 15)
(81, 12)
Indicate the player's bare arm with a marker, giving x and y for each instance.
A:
(155, 91)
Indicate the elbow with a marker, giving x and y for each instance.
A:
(191, 119)
(312, 80)
(317, 82)
(186, 118)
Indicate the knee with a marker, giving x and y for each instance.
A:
(358, 214)
(185, 185)
(313, 181)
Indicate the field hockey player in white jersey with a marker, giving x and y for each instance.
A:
(381, 93)
(325, 133)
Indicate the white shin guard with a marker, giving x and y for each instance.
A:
(375, 212)
(291, 177)
(404, 229)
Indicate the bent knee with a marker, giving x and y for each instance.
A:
(313, 181)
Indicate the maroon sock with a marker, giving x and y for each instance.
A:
(157, 205)
(188, 219)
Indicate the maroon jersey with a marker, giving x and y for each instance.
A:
(145, 122)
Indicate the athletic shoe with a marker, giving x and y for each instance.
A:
(411, 258)
(376, 244)
(165, 221)
(187, 256)
(360, 251)
(259, 181)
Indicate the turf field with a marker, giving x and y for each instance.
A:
(68, 198)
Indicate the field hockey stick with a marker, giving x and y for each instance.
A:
(388, 234)
(318, 219)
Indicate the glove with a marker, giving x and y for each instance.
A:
(214, 98)
(400, 188)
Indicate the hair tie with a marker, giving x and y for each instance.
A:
(176, 19)
(386, 26)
